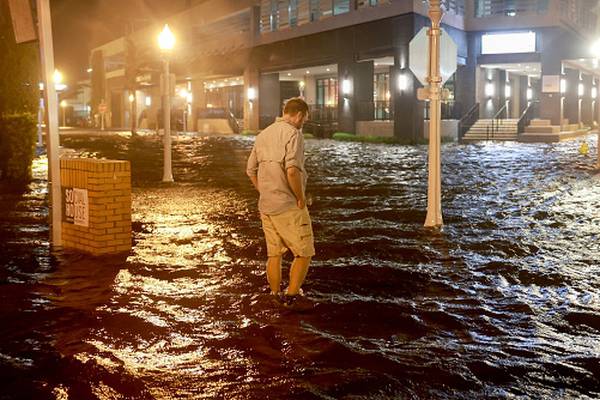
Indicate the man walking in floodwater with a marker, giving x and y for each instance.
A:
(276, 169)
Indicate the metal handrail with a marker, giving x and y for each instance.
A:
(467, 121)
(525, 117)
(496, 118)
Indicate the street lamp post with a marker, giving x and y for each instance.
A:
(166, 41)
(434, 196)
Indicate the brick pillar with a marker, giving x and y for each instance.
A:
(96, 205)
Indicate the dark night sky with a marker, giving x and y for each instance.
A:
(80, 25)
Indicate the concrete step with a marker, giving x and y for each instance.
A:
(501, 124)
(468, 140)
(542, 129)
(485, 137)
(501, 120)
(496, 126)
(476, 130)
(540, 122)
(570, 127)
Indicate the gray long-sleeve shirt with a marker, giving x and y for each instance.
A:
(277, 148)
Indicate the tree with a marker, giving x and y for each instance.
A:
(19, 70)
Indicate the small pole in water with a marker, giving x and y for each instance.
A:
(434, 196)
(52, 138)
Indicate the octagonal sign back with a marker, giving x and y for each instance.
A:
(418, 56)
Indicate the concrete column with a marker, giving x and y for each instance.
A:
(550, 103)
(310, 90)
(355, 94)
(515, 106)
(363, 91)
(466, 75)
(251, 106)
(501, 93)
(346, 116)
(198, 102)
(587, 114)
(270, 103)
(490, 105)
(523, 86)
(408, 111)
(571, 110)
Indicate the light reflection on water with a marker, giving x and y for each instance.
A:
(503, 303)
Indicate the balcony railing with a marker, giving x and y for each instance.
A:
(579, 14)
(323, 113)
(450, 110)
(383, 111)
(454, 6)
(276, 15)
(228, 34)
(511, 8)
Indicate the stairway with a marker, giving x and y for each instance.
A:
(504, 130)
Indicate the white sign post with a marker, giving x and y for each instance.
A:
(432, 71)
(52, 140)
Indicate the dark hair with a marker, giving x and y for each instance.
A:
(295, 105)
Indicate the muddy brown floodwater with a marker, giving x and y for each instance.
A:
(504, 303)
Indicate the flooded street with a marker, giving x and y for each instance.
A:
(504, 303)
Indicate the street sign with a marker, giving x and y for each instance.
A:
(22, 20)
(75, 206)
(418, 57)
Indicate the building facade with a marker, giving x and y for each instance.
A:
(350, 60)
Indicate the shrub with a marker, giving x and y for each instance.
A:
(17, 147)
(349, 137)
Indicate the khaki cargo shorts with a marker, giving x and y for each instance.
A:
(289, 230)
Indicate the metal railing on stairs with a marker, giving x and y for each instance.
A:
(526, 116)
(496, 121)
(468, 120)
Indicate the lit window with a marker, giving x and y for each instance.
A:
(507, 43)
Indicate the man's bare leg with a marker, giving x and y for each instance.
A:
(298, 272)
(274, 273)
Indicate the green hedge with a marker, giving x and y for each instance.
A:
(17, 146)
(350, 137)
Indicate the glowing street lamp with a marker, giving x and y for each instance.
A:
(166, 42)
(166, 39)
(57, 76)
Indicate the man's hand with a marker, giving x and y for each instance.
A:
(294, 177)
(254, 181)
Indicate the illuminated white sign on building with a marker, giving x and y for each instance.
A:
(507, 43)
